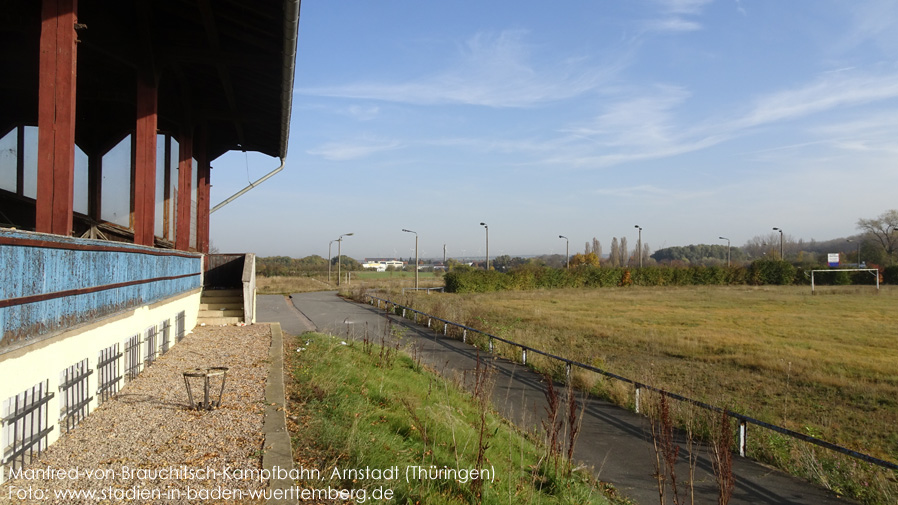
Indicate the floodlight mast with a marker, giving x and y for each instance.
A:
(340, 254)
(416, 255)
(639, 246)
(728, 249)
(782, 257)
(567, 251)
(487, 245)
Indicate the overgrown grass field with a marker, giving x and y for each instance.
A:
(824, 365)
(282, 285)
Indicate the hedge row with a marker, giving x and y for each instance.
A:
(761, 272)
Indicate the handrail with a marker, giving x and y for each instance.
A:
(743, 419)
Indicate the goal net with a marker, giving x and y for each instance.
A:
(873, 271)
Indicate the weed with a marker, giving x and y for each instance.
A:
(722, 461)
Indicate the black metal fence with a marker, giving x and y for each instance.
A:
(133, 363)
(166, 336)
(26, 424)
(150, 346)
(109, 373)
(742, 419)
(74, 388)
(180, 330)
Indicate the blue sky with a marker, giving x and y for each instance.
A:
(691, 118)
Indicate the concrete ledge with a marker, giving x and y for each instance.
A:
(277, 448)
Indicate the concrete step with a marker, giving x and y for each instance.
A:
(223, 292)
(221, 306)
(218, 321)
(220, 313)
(219, 300)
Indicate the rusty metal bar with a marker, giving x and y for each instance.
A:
(82, 291)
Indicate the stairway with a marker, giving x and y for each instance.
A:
(221, 306)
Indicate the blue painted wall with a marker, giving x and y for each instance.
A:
(28, 270)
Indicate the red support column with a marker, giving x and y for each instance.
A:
(185, 182)
(56, 117)
(144, 196)
(202, 195)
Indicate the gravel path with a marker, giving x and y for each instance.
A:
(146, 446)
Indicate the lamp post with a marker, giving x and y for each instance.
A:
(487, 245)
(567, 251)
(329, 260)
(340, 254)
(782, 258)
(728, 249)
(416, 255)
(639, 245)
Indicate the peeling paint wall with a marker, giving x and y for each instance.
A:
(51, 283)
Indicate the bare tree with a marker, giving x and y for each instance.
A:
(884, 228)
(615, 253)
(597, 247)
(586, 250)
(646, 252)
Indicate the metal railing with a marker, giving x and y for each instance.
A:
(73, 390)
(25, 425)
(742, 419)
(109, 373)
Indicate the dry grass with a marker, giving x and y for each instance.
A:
(390, 281)
(281, 285)
(824, 365)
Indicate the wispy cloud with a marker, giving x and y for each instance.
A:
(342, 151)
(829, 91)
(870, 21)
(650, 191)
(650, 125)
(671, 24)
(683, 6)
(494, 70)
(362, 113)
(674, 16)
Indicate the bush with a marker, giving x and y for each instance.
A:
(774, 272)
(469, 280)
(890, 275)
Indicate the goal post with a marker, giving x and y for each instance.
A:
(873, 271)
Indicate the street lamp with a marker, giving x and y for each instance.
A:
(416, 255)
(567, 250)
(487, 245)
(728, 249)
(639, 245)
(340, 254)
(782, 258)
(858, 251)
(329, 260)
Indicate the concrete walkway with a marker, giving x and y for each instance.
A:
(614, 441)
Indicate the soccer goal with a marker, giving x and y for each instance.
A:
(873, 271)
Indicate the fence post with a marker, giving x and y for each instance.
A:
(567, 373)
(491, 344)
(637, 398)
(445, 328)
(743, 437)
(428, 322)
(464, 336)
(523, 355)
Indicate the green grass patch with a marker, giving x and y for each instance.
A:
(366, 406)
